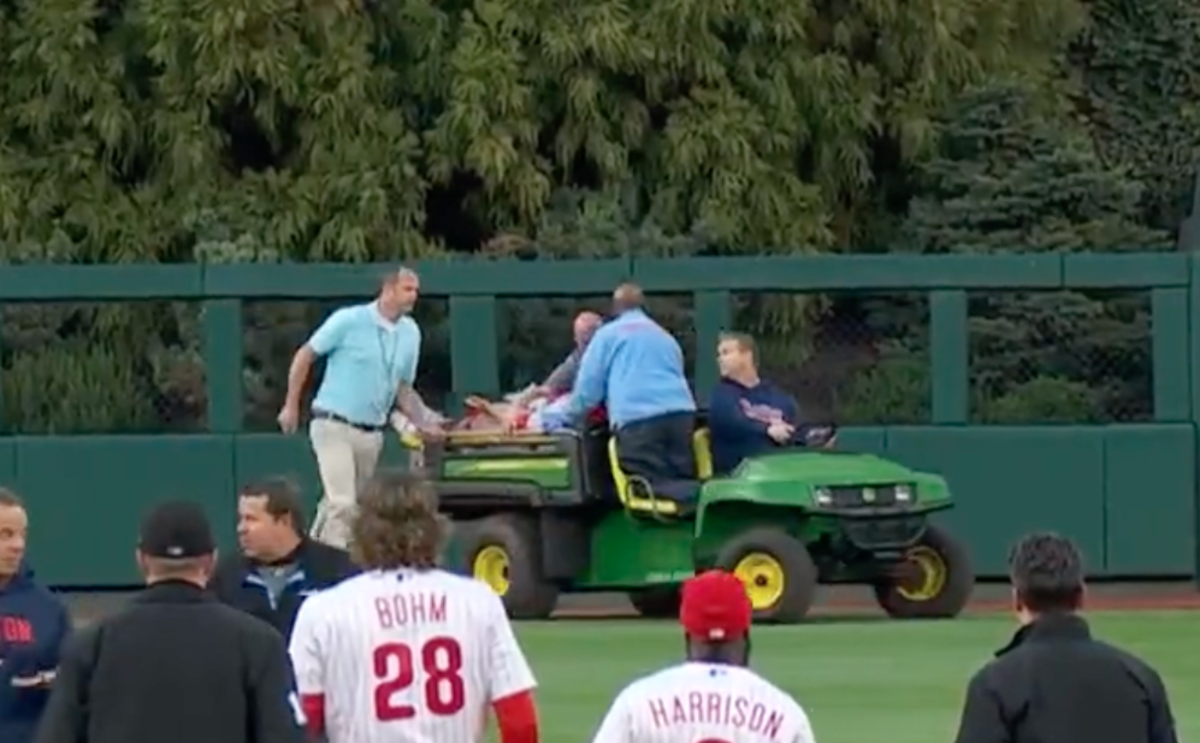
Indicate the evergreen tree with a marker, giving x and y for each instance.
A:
(1139, 64)
(162, 130)
(1011, 176)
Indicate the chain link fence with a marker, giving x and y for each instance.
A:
(850, 359)
(1035, 357)
(116, 367)
(1061, 357)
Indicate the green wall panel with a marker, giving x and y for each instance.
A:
(8, 473)
(1008, 481)
(91, 494)
(1150, 500)
(863, 439)
(270, 454)
(257, 456)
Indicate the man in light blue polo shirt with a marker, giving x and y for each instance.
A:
(371, 355)
(635, 368)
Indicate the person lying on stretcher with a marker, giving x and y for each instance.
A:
(510, 416)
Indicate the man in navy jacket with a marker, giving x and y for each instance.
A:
(748, 415)
(277, 566)
(33, 625)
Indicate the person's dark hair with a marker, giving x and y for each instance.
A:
(10, 499)
(282, 497)
(1047, 573)
(398, 524)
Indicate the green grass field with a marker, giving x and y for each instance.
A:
(861, 680)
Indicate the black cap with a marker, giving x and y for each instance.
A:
(176, 529)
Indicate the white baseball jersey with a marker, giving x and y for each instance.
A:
(411, 656)
(704, 703)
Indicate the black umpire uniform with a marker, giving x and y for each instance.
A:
(1054, 683)
(175, 665)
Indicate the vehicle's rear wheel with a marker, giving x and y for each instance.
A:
(660, 602)
(935, 580)
(779, 574)
(505, 552)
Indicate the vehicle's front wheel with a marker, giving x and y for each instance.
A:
(935, 580)
(504, 551)
(779, 573)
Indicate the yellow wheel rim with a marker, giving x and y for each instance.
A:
(763, 577)
(928, 576)
(491, 567)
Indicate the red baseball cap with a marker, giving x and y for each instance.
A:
(715, 607)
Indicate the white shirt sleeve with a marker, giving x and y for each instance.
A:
(510, 673)
(804, 731)
(307, 649)
(617, 725)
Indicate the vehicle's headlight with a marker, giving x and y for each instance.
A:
(904, 494)
(824, 497)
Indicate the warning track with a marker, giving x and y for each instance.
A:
(989, 598)
(848, 601)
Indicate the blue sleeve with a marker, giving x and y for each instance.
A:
(725, 414)
(64, 633)
(332, 332)
(36, 697)
(592, 380)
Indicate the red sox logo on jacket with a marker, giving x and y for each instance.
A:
(761, 413)
(16, 630)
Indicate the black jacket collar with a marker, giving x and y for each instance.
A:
(300, 556)
(173, 592)
(1049, 628)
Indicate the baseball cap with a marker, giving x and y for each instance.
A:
(176, 529)
(715, 607)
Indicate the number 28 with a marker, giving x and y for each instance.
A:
(396, 670)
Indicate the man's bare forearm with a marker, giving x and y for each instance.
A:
(409, 403)
(298, 375)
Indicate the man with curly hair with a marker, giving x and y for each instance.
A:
(406, 651)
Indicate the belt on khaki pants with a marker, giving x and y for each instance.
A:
(326, 415)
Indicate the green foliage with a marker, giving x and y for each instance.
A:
(80, 368)
(221, 131)
(348, 132)
(1044, 399)
(896, 389)
(1010, 177)
(81, 389)
(1140, 94)
(1013, 176)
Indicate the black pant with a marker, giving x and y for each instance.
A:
(659, 448)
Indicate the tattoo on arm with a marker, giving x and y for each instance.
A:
(409, 403)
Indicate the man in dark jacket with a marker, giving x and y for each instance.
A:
(279, 566)
(33, 625)
(174, 665)
(747, 415)
(1054, 683)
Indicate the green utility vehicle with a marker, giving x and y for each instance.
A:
(536, 516)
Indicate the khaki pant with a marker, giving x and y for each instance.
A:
(346, 459)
